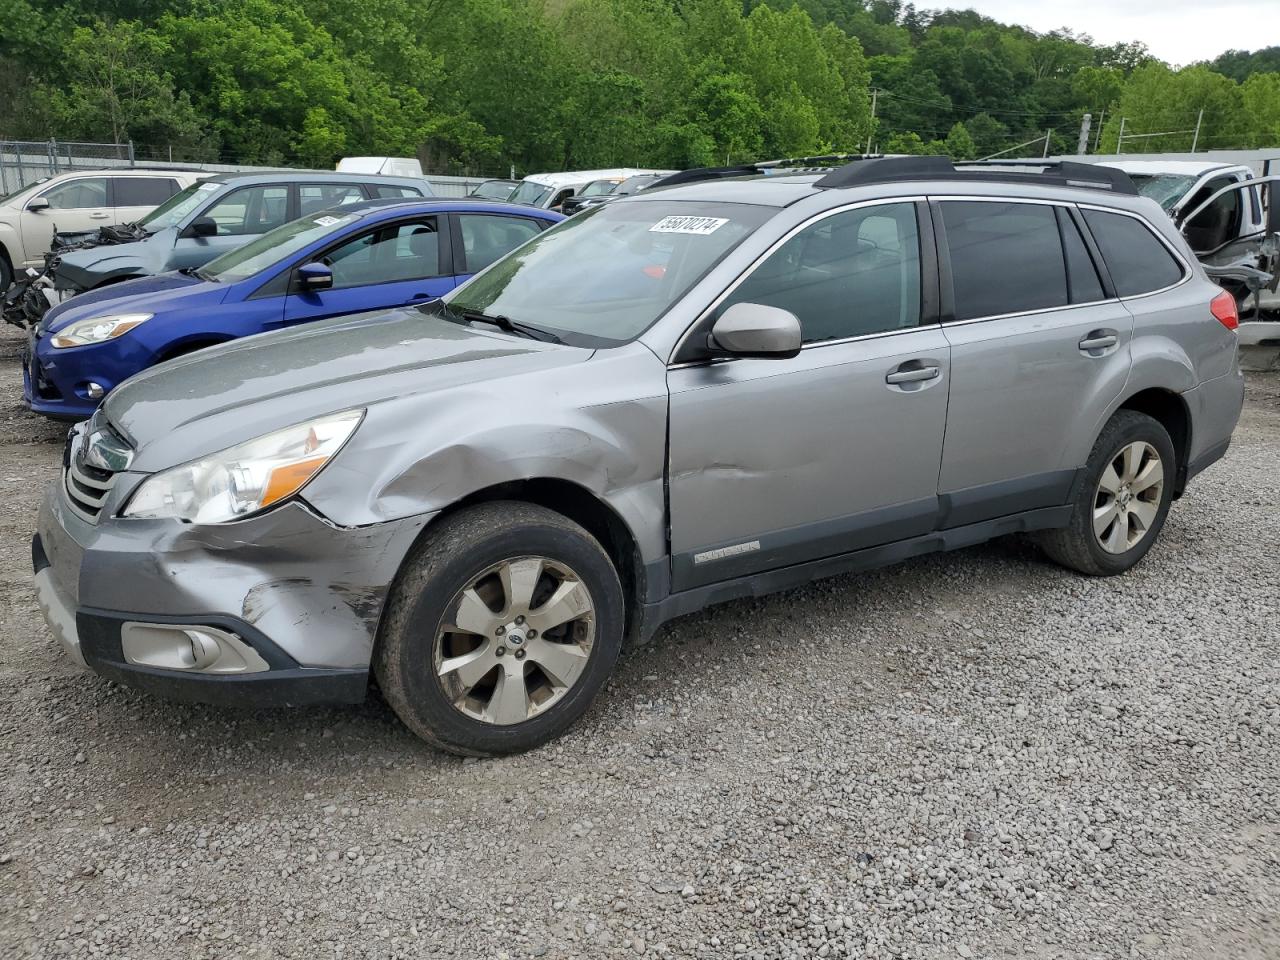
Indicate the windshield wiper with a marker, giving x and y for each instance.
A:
(194, 272)
(504, 323)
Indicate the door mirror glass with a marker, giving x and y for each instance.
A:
(315, 276)
(38, 205)
(202, 227)
(757, 330)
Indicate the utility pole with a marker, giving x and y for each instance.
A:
(875, 93)
(1196, 138)
(1120, 136)
(1048, 136)
(1082, 147)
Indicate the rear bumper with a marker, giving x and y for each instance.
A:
(299, 598)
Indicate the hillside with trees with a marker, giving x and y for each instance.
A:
(557, 84)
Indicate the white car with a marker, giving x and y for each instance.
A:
(83, 200)
(1227, 229)
(550, 190)
(1180, 186)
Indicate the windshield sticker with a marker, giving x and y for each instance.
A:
(326, 221)
(698, 226)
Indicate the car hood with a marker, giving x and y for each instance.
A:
(83, 269)
(167, 291)
(196, 405)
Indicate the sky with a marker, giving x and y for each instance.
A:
(1179, 31)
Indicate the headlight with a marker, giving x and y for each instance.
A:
(245, 478)
(98, 329)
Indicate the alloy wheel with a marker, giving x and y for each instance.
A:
(515, 640)
(1127, 500)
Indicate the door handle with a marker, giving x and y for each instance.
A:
(912, 375)
(98, 216)
(1098, 340)
(420, 296)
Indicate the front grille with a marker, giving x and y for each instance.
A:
(87, 486)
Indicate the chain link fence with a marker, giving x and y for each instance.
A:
(25, 161)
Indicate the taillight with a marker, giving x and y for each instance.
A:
(1223, 306)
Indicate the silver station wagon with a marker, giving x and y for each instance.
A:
(693, 394)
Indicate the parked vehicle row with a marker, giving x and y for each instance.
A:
(359, 256)
(77, 202)
(676, 398)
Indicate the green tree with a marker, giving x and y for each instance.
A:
(960, 145)
(1157, 100)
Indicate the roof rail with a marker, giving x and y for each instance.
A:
(1063, 173)
(822, 164)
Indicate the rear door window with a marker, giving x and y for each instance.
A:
(1137, 261)
(1005, 258)
(326, 196)
(143, 191)
(384, 192)
(490, 237)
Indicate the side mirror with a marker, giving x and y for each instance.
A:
(756, 330)
(38, 205)
(202, 227)
(314, 276)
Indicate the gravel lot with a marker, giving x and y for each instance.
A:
(973, 755)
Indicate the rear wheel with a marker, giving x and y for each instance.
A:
(1123, 501)
(506, 622)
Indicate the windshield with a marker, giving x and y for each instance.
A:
(631, 185)
(530, 193)
(603, 277)
(598, 188)
(175, 209)
(494, 190)
(21, 190)
(272, 247)
(1165, 189)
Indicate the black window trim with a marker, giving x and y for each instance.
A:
(930, 315)
(1187, 271)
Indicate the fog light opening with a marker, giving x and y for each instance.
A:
(188, 648)
(96, 391)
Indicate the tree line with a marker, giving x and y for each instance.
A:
(565, 84)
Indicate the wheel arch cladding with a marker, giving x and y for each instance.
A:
(1168, 409)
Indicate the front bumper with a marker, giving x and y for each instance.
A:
(302, 597)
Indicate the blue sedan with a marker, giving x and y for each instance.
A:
(364, 256)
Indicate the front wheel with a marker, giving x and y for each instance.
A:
(1123, 501)
(505, 623)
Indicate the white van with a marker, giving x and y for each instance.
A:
(388, 166)
(549, 190)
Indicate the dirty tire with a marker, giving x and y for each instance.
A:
(1076, 546)
(6, 272)
(454, 551)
